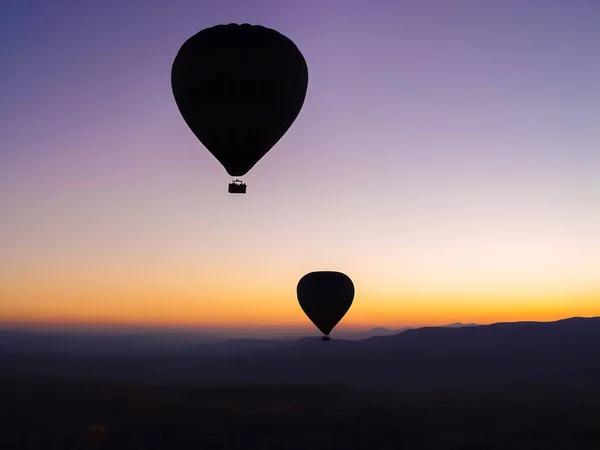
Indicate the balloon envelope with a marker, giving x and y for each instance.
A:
(239, 88)
(325, 297)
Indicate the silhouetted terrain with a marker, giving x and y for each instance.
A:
(47, 415)
(154, 342)
(563, 352)
(504, 386)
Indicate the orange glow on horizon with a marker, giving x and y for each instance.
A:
(181, 295)
(277, 311)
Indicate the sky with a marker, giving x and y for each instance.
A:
(447, 158)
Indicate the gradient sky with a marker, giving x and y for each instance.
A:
(469, 189)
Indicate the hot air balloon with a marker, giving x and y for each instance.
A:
(239, 88)
(325, 297)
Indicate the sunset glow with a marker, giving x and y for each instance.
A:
(446, 159)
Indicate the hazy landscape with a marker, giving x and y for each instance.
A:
(508, 385)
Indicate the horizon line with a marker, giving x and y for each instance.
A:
(223, 329)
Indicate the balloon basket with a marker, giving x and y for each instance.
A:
(325, 338)
(237, 187)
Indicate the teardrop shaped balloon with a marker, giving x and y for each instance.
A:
(325, 297)
(239, 88)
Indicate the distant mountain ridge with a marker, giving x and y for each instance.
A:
(149, 341)
(382, 331)
(561, 352)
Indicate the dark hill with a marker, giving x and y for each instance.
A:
(566, 352)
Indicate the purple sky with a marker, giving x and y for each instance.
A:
(469, 133)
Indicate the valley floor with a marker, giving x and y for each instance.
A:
(53, 415)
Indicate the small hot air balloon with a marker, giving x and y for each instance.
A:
(325, 297)
(239, 88)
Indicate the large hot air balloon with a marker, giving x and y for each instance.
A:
(325, 297)
(239, 88)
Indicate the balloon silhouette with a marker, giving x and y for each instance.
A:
(325, 297)
(239, 89)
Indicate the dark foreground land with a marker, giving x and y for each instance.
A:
(525, 385)
(53, 415)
